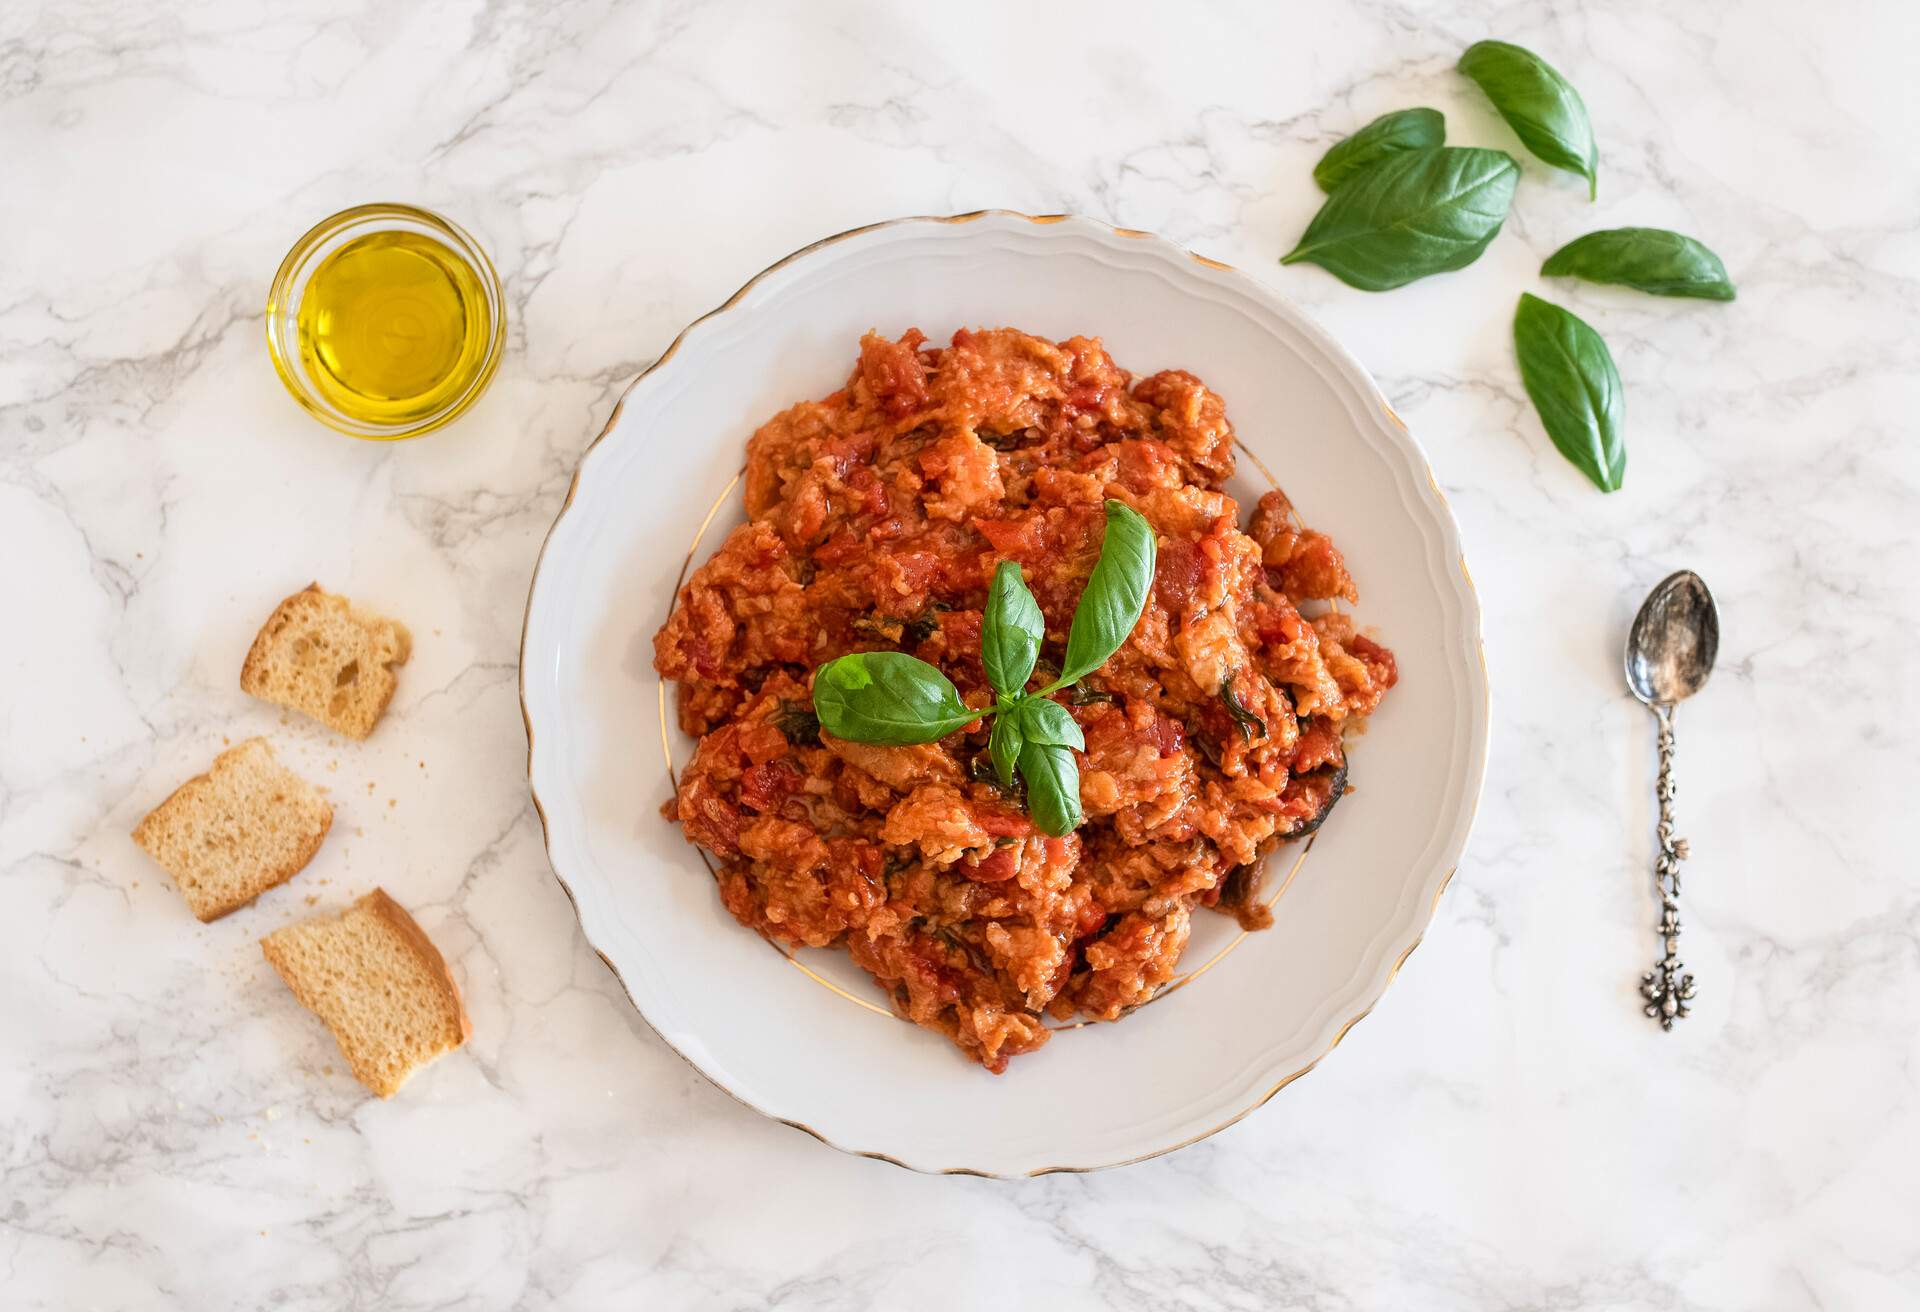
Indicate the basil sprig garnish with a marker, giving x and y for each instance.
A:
(887, 697)
(1115, 595)
(1570, 375)
(1003, 747)
(1647, 259)
(1053, 787)
(1390, 134)
(1011, 631)
(1413, 214)
(893, 699)
(1540, 106)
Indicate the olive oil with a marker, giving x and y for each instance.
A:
(392, 326)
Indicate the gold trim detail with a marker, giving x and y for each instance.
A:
(673, 773)
(545, 828)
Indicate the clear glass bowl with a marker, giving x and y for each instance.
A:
(327, 236)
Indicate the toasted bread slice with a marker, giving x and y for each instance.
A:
(323, 656)
(229, 835)
(379, 984)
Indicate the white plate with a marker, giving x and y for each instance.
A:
(808, 1042)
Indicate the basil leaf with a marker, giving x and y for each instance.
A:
(1405, 129)
(1053, 787)
(1413, 214)
(796, 723)
(1539, 105)
(887, 697)
(1004, 747)
(1011, 631)
(1115, 594)
(1647, 259)
(1243, 719)
(1570, 375)
(1044, 721)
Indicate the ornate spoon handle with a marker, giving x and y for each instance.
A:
(1668, 988)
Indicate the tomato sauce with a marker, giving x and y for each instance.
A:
(876, 516)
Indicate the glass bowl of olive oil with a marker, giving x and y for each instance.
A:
(386, 321)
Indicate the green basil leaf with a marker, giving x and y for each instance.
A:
(887, 697)
(1044, 721)
(1390, 134)
(1053, 787)
(1115, 594)
(1004, 745)
(1570, 375)
(1011, 631)
(1539, 105)
(1413, 214)
(1647, 259)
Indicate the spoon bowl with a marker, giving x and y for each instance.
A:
(1673, 642)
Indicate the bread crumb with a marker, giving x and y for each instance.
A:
(393, 801)
(312, 898)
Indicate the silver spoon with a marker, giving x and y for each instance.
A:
(1670, 652)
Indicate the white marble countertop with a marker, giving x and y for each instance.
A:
(1505, 1131)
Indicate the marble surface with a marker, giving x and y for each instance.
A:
(1506, 1130)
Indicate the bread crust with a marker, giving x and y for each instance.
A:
(408, 928)
(416, 942)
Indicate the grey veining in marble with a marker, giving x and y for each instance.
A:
(1506, 1131)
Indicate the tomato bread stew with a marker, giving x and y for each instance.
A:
(878, 521)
